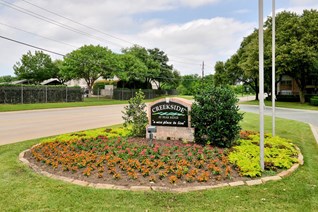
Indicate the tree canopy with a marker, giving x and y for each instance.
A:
(296, 53)
(35, 67)
(89, 62)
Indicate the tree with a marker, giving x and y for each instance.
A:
(89, 62)
(297, 48)
(37, 67)
(130, 68)
(143, 56)
(7, 78)
(189, 84)
(166, 74)
(136, 115)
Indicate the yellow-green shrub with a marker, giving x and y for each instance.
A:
(279, 153)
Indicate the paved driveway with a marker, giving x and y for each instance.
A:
(25, 125)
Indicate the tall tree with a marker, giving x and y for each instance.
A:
(35, 67)
(297, 49)
(165, 74)
(89, 62)
(131, 68)
(152, 66)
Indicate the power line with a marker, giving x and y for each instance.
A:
(51, 21)
(89, 27)
(30, 45)
(76, 22)
(12, 27)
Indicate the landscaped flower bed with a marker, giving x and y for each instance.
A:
(102, 157)
(133, 162)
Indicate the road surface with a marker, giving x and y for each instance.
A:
(26, 125)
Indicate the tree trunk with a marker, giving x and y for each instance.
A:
(302, 96)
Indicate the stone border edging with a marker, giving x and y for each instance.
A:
(160, 188)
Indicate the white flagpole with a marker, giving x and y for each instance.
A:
(261, 81)
(273, 66)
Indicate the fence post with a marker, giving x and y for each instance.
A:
(66, 93)
(46, 94)
(21, 93)
(98, 93)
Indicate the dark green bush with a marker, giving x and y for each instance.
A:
(215, 116)
(314, 101)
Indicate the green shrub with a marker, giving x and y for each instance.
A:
(279, 154)
(314, 101)
(215, 116)
(135, 115)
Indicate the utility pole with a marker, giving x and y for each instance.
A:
(202, 69)
(261, 80)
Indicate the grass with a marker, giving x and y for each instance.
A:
(23, 190)
(92, 101)
(292, 105)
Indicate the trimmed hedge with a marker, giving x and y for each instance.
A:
(126, 94)
(16, 94)
(314, 101)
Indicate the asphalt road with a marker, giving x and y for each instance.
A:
(307, 116)
(26, 125)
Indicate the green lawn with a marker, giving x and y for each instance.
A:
(293, 105)
(92, 101)
(23, 190)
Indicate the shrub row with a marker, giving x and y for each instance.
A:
(125, 94)
(16, 94)
(314, 101)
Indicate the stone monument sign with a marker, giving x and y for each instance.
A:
(172, 119)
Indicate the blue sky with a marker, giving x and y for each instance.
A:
(189, 31)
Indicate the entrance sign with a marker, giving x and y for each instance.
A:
(172, 119)
(169, 114)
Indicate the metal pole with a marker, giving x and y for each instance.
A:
(46, 94)
(22, 94)
(273, 67)
(66, 93)
(261, 81)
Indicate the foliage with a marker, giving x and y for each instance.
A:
(135, 115)
(7, 78)
(215, 116)
(89, 62)
(34, 192)
(279, 153)
(102, 157)
(110, 133)
(36, 67)
(189, 84)
(296, 54)
(314, 101)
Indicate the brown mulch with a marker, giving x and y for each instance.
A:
(125, 180)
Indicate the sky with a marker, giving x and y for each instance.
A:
(188, 31)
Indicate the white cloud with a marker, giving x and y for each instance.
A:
(200, 40)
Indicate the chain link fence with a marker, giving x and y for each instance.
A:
(126, 94)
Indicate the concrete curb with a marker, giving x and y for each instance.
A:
(314, 131)
(160, 188)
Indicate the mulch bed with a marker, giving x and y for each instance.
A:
(96, 176)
